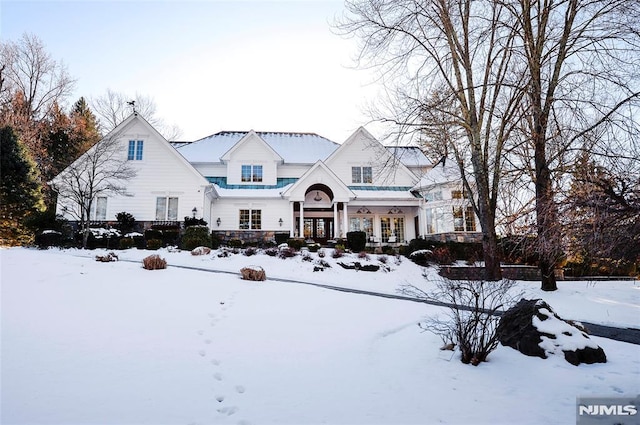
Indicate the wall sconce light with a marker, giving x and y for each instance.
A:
(280, 222)
(218, 221)
(194, 212)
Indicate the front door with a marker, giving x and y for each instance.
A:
(320, 229)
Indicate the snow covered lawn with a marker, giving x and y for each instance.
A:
(111, 343)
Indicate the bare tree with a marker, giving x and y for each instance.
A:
(103, 170)
(582, 65)
(113, 107)
(28, 68)
(447, 67)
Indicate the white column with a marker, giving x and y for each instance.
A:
(301, 230)
(345, 221)
(292, 217)
(336, 221)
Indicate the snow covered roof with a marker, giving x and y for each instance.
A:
(439, 174)
(411, 156)
(296, 148)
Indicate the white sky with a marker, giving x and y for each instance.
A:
(209, 65)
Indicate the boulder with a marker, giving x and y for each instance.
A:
(532, 327)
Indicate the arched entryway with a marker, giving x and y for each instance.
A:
(316, 216)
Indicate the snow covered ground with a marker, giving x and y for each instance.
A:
(85, 342)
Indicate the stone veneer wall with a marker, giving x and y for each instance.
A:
(515, 272)
(455, 237)
(259, 237)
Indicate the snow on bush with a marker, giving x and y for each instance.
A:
(255, 273)
(201, 250)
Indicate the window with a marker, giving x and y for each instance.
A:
(361, 175)
(463, 219)
(166, 208)
(433, 196)
(135, 150)
(392, 226)
(250, 220)
(99, 208)
(363, 224)
(459, 194)
(251, 173)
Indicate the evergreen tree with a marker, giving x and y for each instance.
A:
(20, 192)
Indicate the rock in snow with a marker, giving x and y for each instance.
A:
(532, 328)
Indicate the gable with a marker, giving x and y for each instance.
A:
(361, 149)
(319, 175)
(250, 147)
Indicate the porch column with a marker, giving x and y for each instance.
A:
(301, 226)
(336, 221)
(292, 217)
(345, 222)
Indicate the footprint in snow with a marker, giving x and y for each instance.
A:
(240, 389)
(219, 398)
(207, 341)
(202, 353)
(228, 410)
(217, 376)
(215, 362)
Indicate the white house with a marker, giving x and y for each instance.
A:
(251, 185)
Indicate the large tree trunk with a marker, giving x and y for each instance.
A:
(492, 270)
(546, 213)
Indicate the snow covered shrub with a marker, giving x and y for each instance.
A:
(383, 259)
(337, 252)
(472, 320)
(107, 258)
(201, 250)
(363, 255)
(271, 252)
(314, 247)
(250, 251)
(421, 257)
(307, 257)
(287, 253)
(235, 243)
(255, 273)
(154, 244)
(295, 243)
(48, 238)
(154, 262)
(126, 222)
(321, 253)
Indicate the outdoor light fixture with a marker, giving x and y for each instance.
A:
(194, 211)
(280, 221)
(318, 198)
(218, 221)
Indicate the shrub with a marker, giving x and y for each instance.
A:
(126, 243)
(154, 262)
(472, 321)
(154, 244)
(201, 250)
(195, 236)
(363, 255)
(126, 221)
(192, 221)
(357, 240)
(254, 273)
(107, 258)
(383, 259)
(152, 234)
(287, 253)
(314, 247)
(281, 238)
(250, 251)
(307, 257)
(48, 238)
(216, 241)
(389, 250)
(271, 252)
(321, 253)
(235, 243)
(442, 255)
(296, 243)
(337, 252)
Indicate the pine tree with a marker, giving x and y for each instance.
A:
(20, 192)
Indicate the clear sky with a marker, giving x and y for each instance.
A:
(208, 65)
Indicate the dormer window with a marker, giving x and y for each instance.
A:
(135, 150)
(251, 173)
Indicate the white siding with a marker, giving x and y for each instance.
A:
(252, 151)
